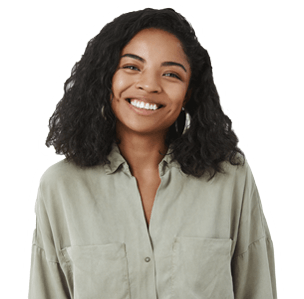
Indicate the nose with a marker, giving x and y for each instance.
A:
(149, 82)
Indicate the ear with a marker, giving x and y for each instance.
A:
(111, 97)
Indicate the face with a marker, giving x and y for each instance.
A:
(153, 72)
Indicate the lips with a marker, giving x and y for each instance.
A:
(145, 101)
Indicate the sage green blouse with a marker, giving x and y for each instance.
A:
(205, 239)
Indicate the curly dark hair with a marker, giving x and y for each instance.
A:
(78, 130)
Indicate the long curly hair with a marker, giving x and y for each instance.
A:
(83, 125)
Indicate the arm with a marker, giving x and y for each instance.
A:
(47, 280)
(252, 265)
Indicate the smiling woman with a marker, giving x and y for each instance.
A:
(145, 204)
(153, 70)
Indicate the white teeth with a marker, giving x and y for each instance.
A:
(143, 105)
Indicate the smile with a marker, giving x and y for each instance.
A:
(143, 111)
(144, 105)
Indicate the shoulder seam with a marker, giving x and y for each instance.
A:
(264, 237)
(55, 262)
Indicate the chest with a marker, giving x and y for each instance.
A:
(148, 185)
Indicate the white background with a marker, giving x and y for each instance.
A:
(53, 158)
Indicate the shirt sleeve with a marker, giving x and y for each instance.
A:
(252, 265)
(47, 280)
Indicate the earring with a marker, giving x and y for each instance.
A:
(186, 119)
(187, 122)
(102, 112)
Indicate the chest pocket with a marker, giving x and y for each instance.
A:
(98, 271)
(201, 268)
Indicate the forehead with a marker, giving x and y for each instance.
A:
(156, 43)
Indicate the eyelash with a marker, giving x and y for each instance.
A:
(129, 67)
(174, 75)
(132, 68)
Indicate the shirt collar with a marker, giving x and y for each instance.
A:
(116, 160)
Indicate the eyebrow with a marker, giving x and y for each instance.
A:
(166, 63)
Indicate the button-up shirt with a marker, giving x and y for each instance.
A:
(205, 239)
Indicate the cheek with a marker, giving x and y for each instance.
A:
(120, 82)
(177, 95)
(115, 84)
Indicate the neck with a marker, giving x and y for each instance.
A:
(142, 151)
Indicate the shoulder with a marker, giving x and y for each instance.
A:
(236, 179)
(65, 175)
(58, 172)
(236, 171)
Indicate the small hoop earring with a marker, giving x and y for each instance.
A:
(102, 112)
(187, 121)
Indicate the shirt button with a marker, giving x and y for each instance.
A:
(147, 259)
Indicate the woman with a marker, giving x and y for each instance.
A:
(154, 198)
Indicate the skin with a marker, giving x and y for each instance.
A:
(144, 76)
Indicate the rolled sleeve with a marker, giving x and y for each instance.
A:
(252, 265)
(254, 272)
(47, 280)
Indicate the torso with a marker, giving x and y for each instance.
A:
(148, 184)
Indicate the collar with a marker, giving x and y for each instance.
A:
(118, 161)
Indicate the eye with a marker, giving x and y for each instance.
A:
(131, 67)
(172, 75)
